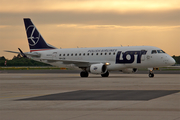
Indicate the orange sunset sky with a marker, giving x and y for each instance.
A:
(92, 23)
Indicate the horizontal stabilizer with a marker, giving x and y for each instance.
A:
(35, 54)
(11, 51)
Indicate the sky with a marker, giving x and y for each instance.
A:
(92, 23)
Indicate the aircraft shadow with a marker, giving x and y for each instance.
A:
(107, 95)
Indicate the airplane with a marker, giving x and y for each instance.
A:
(99, 60)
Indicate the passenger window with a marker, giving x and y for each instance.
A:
(96, 53)
(105, 53)
(59, 54)
(63, 54)
(88, 54)
(71, 54)
(84, 54)
(76, 54)
(92, 54)
(101, 53)
(109, 53)
(67, 54)
(114, 53)
(153, 52)
(79, 54)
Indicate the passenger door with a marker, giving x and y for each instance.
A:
(54, 55)
(143, 57)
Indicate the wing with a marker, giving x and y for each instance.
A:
(78, 63)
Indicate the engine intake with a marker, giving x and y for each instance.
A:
(98, 68)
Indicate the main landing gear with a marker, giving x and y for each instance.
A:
(84, 74)
(151, 74)
(105, 74)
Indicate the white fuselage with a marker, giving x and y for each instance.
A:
(119, 58)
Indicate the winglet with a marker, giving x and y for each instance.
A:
(22, 53)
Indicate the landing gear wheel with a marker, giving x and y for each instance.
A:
(84, 74)
(105, 74)
(151, 75)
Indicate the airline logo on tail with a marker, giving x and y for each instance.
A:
(33, 35)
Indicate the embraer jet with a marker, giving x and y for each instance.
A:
(98, 60)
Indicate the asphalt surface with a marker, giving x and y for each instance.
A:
(59, 96)
(78, 71)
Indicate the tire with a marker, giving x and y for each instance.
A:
(105, 74)
(84, 74)
(151, 75)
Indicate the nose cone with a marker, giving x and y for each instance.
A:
(172, 61)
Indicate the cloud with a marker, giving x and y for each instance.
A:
(144, 18)
(73, 35)
(81, 26)
(3, 26)
(87, 5)
(92, 23)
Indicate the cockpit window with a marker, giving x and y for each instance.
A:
(153, 52)
(160, 51)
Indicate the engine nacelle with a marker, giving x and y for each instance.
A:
(130, 70)
(98, 68)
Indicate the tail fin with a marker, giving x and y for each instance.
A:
(35, 40)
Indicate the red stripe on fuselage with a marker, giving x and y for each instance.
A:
(39, 50)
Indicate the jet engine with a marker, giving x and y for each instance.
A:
(98, 68)
(129, 70)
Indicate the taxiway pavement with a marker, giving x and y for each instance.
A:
(69, 97)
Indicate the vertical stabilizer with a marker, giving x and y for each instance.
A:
(35, 40)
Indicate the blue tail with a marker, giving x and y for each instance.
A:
(35, 40)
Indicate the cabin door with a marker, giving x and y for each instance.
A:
(54, 55)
